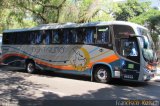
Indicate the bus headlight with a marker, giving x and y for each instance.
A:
(150, 67)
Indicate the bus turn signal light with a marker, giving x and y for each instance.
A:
(150, 67)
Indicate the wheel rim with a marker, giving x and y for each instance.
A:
(30, 67)
(102, 74)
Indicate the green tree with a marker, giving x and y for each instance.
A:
(42, 11)
(130, 9)
(87, 10)
(27, 13)
(150, 18)
(12, 16)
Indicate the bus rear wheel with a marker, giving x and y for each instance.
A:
(102, 75)
(30, 67)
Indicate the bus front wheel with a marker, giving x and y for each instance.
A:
(30, 67)
(102, 75)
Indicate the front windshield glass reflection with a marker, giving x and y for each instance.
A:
(149, 52)
(129, 48)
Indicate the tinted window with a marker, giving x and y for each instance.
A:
(32, 37)
(90, 33)
(20, 38)
(128, 48)
(45, 37)
(55, 37)
(71, 36)
(122, 30)
(102, 35)
(80, 35)
(0, 40)
(40, 37)
(87, 35)
(67, 36)
(0, 44)
(9, 38)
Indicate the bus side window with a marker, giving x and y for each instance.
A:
(43, 34)
(89, 37)
(28, 38)
(80, 35)
(43, 37)
(22, 36)
(32, 38)
(5, 39)
(48, 38)
(66, 39)
(38, 37)
(19, 38)
(102, 35)
(55, 37)
(12, 38)
(73, 36)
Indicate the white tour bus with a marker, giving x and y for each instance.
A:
(100, 50)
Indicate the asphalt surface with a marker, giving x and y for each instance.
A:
(18, 85)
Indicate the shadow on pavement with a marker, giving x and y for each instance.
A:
(119, 90)
(117, 82)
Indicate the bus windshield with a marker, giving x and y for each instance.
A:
(149, 51)
(126, 46)
(100, 50)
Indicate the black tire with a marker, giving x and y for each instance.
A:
(30, 67)
(102, 75)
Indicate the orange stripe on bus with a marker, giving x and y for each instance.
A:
(108, 59)
(15, 54)
(63, 67)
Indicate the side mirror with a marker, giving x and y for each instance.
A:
(145, 42)
(157, 60)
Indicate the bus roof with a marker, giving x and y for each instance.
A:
(73, 25)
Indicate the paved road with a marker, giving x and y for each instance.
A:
(19, 85)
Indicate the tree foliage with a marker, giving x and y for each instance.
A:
(27, 13)
(150, 19)
(130, 9)
(87, 10)
(42, 11)
(53, 11)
